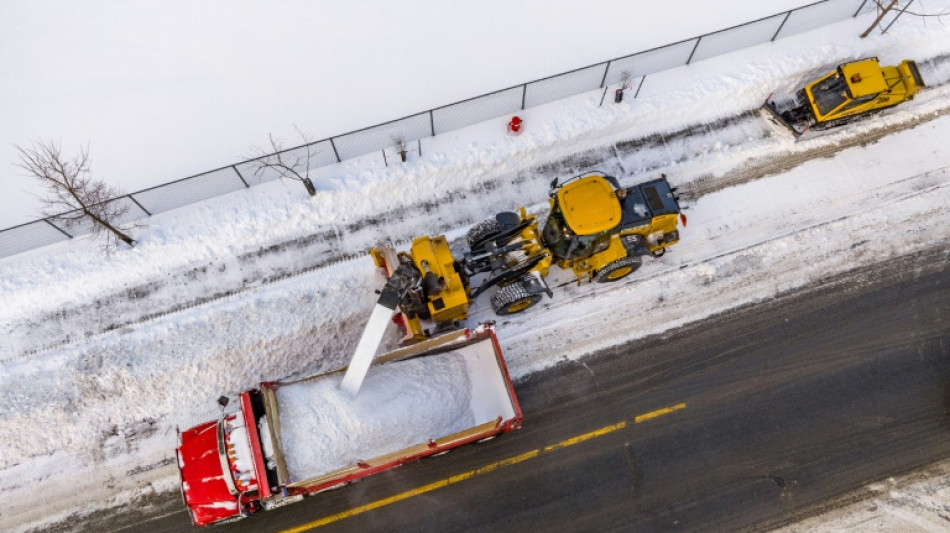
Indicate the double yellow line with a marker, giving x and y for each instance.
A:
(483, 470)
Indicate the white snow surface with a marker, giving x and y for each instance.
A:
(105, 400)
(324, 428)
(164, 91)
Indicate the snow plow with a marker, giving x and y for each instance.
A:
(283, 443)
(595, 228)
(852, 91)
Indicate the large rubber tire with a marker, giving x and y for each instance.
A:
(482, 231)
(512, 299)
(618, 269)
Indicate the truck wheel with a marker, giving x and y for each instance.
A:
(618, 269)
(512, 299)
(481, 231)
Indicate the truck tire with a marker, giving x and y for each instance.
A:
(618, 269)
(481, 231)
(512, 299)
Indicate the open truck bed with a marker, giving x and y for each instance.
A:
(305, 436)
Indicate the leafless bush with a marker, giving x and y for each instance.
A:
(288, 163)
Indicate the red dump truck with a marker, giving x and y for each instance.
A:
(294, 438)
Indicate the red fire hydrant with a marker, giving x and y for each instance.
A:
(514, 125)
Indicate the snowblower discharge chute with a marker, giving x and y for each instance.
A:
(851, 91)
(595, 228)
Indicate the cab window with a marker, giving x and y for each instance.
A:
(830, 93)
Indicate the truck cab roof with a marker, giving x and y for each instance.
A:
(589, 204)
(863, 77)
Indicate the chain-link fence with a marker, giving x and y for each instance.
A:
(632, 68)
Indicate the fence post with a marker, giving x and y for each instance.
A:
(57, 228)
(897, 17)
(859, 9)
(140, 205)
(782, 25)
(524, 94)
(238, 172)
(638, 86)
(602, 97)
(604, 79)
(432, 122)
(337, 154)
(700, 38)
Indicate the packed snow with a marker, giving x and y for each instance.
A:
(324, 428)
(121, 362)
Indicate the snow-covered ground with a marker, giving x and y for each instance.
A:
(918, 502)
(171, 89)
(101, 359)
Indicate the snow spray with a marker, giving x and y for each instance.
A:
(366, 349)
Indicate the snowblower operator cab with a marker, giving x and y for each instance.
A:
(852, 90)
(600, 230)
(595, 228)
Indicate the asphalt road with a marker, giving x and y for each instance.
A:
(788, 404)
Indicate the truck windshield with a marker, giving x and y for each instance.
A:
(830, 93)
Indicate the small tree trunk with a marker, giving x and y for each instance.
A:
(115, 231)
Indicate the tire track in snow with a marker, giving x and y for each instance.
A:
(126, 307)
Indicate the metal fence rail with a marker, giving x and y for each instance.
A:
(450, 117)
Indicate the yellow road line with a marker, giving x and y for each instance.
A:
(479, 471)
(586, 436)
(659, 412)
(414, 492)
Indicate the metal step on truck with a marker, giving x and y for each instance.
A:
(289, 439)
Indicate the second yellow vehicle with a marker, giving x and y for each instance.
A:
(597, 229)
(852, 90)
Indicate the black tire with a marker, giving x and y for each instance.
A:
(619, 269)
(512, 299)
(481, 231)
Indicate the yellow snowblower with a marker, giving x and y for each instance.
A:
(851, 91)
(595, 228)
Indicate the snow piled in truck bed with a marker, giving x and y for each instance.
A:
(323, 428)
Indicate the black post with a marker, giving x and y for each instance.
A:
(694, 50)
(238, 172)
(386, 161)
(524, 94)
(57, 228)
(142, 207)
(603, 96)
(780, 26)
(859, 9)
(337, 154)
(432, 122)
(897, 17)
(639, 86)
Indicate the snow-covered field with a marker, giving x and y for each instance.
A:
(103, 358)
